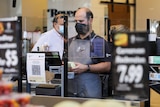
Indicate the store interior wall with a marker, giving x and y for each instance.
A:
(4, 10)
(100, 11)
(146, 9)
(10, 9)
(15, 8)
(34, 11)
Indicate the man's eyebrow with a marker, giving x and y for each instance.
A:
(79, 20)
(61, 17)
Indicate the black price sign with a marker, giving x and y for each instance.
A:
(130, 74)
(9, 45)
(130, 65)
(11, 58)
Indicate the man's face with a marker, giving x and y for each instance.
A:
(60, 20)
(83, 24)
(59, 23)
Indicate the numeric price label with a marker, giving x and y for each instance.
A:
(130, 74)
(11, 58)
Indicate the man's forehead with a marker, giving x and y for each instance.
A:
(80, 16)
(80, 13)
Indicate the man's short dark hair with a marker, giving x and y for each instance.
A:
(89, 14)
(57, 17)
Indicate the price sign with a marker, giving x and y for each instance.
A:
(11, 58)
(130, 74)
(10, 47)
(130, 65)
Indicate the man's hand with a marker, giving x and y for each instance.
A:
(79, 68)
(102, 67)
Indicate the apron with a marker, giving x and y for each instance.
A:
(79, 51)
(85, 84)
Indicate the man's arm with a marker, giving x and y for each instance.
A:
(101, 67)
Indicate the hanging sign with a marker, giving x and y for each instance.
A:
(10, 46)
(130, 65)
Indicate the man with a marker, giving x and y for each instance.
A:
(53, 39)
(91, 56)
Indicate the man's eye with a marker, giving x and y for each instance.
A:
(80, 20)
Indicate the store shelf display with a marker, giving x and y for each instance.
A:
(9, 98)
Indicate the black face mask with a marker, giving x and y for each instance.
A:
(81, 28)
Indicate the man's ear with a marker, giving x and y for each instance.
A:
(91, 20)
(54, 24)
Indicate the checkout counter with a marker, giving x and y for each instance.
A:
(54, 75)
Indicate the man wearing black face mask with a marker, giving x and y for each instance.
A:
(82, 28)
(88, 55)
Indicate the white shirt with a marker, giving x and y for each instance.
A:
(53, 39)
